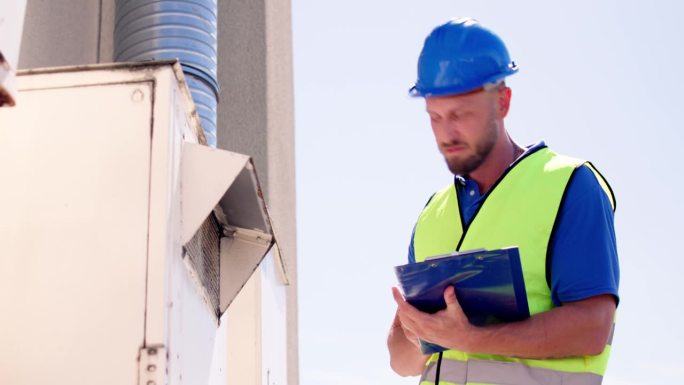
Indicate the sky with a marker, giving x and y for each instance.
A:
(599, 80)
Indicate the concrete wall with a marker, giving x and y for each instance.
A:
(60, 33)
(255, 115)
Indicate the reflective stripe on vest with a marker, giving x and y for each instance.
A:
(520, 210)
(500, 372)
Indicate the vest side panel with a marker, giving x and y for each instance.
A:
(438, 229)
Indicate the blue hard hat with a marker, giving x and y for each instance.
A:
(461, 56)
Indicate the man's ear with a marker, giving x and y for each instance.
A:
(504, 101)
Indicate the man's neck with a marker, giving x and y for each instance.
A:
(500, 158)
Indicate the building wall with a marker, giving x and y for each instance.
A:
(60, 33)
(255, 114)
(256, 117)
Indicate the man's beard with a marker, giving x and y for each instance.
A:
(482, 151)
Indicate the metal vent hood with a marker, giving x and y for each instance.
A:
(224, 184)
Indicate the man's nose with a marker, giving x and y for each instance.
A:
(449, 132)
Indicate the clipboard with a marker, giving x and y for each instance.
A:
(489, 286)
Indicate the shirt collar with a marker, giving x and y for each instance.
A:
(461, 179)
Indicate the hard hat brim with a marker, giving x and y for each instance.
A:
(427, 92)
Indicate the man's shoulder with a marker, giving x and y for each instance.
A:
(587, 183)
(585, 175)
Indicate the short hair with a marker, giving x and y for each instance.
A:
(497, 84)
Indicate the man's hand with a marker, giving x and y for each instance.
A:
(406, 359)
(449, 327)
(577, 328)
(410, 336)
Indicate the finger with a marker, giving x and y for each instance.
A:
(409, 332)
(405, 309)
(453, 307)
(409, 327)
(450, 297)
(412, 337)
(398, 298)
(403, 305)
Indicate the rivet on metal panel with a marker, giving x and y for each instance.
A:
(152, 366)
(138, 95)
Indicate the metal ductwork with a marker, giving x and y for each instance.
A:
(174, 29)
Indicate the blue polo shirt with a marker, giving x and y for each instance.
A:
(583, 259)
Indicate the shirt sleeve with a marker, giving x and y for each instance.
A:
(583, 259)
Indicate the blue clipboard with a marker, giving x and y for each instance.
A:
(489, 286)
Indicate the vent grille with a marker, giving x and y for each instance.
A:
(203, 250)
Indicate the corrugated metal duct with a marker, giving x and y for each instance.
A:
(174, 29)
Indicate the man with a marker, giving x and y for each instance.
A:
(558, 210)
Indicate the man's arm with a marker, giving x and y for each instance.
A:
(574, 329)
(405, 356)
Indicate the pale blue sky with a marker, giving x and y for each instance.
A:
(599, 80)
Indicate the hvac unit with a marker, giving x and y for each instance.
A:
(123, 237)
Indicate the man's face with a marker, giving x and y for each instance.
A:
(466, 127)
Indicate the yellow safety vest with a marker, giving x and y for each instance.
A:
(520, 210)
